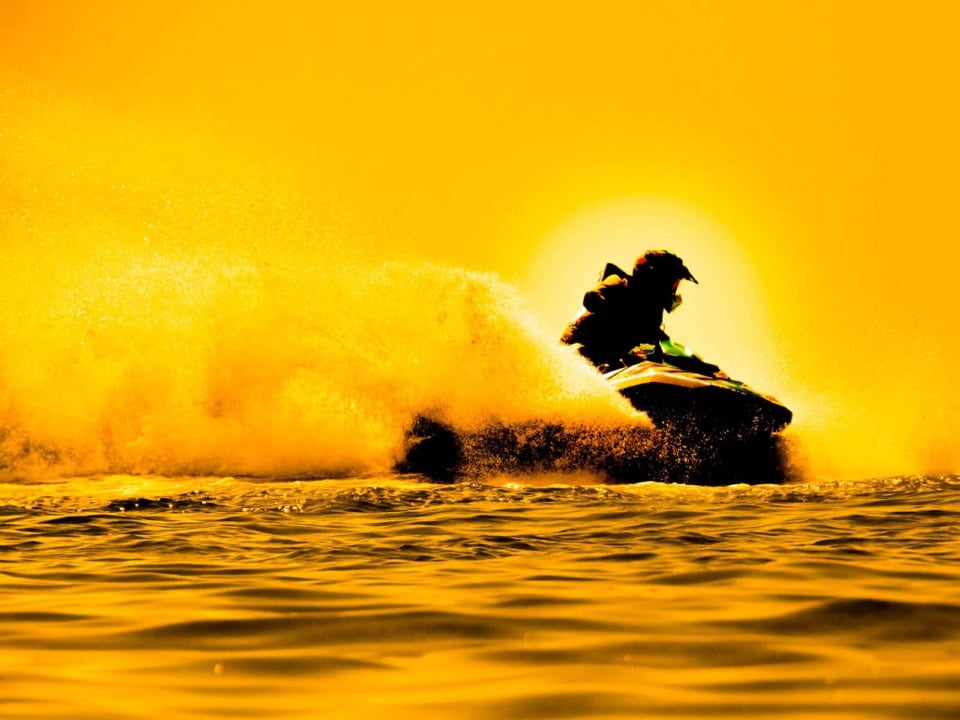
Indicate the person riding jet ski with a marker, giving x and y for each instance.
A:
(622, 320)
(704, 428)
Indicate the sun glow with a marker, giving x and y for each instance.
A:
(569, 259)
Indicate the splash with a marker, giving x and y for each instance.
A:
(170, 365)
(164, 315)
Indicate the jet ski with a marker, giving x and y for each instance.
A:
(694, 425)
(677, 389)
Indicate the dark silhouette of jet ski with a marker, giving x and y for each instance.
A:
(676, 388)
(705, 428)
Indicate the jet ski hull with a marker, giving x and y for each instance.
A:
(705, 429)
(673, 397)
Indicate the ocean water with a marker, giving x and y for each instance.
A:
(129, 596)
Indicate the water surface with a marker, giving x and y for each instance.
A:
(516, 597)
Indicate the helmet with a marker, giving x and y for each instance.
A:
(662, 272)
(662, 264)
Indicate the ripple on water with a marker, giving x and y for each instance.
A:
(865, 618)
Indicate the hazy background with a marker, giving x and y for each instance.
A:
(801, 157)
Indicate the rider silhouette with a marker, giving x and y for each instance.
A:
(625, 311)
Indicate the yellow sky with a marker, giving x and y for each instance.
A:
(801, 156)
